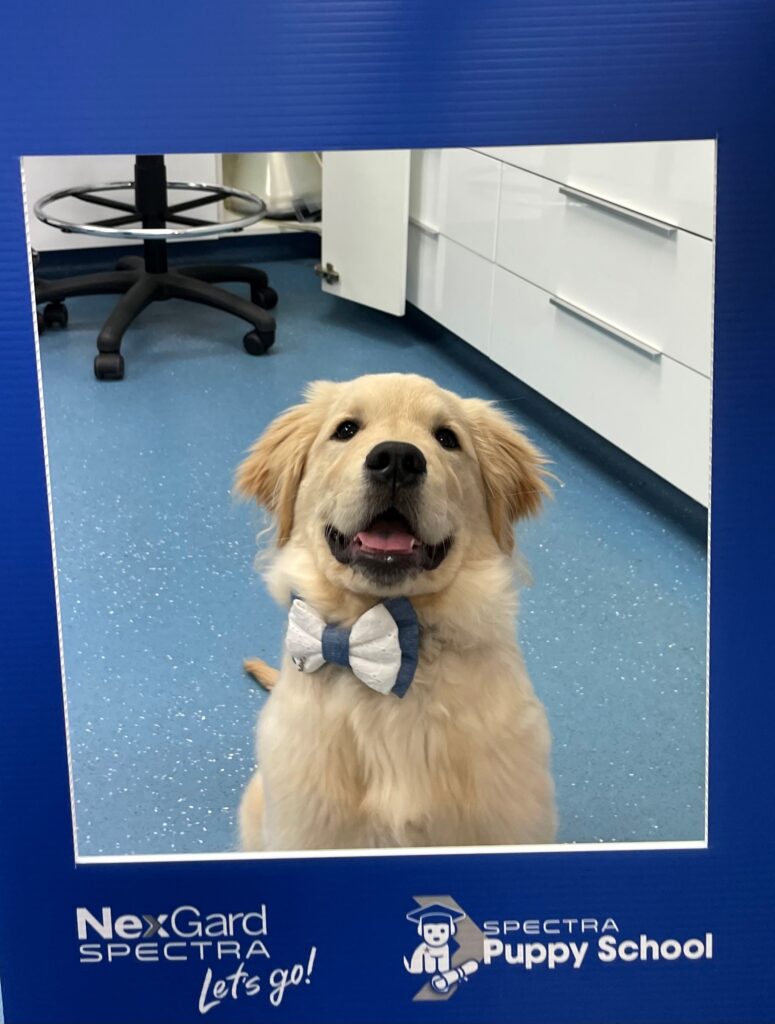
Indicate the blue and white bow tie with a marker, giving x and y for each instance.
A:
(380, 647)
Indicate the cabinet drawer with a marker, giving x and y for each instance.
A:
(673, 181)
(653, 283)
(455, 192)
(451, 284)
(656, 410)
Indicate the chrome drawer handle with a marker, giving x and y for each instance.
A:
(621, 211)
(606, 328)
(427, 229)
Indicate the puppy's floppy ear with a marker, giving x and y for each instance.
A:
(512, 469)
(272, 471)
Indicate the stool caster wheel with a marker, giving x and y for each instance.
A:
(258, 342)
(55, 314)
(265, 297)
(109, 366)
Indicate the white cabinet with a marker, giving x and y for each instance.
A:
(456, 192)
(656, 410)
(451, 284)
(652, 282)
(587, 272)
(365, 211)
(672, 181)
(44, 174)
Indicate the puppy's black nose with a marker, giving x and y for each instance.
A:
(396, 463)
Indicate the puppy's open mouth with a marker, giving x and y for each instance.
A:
(387, 547)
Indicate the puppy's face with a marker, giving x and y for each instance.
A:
(391, 482)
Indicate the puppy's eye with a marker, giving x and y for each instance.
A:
(345, 430)
(447, 438)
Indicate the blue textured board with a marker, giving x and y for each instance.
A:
(176, 77)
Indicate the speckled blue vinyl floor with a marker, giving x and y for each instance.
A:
(160, 602)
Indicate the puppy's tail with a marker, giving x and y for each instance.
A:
(265, 675)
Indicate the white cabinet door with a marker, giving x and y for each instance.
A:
(365, 218)
(455, 192)
(44, 174)
(451, 284)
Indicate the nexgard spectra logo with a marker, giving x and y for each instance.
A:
(232, 949)
(450, 947)
(180, 934)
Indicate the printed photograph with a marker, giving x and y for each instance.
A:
(379, 493)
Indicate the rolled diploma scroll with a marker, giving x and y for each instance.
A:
(444, 982)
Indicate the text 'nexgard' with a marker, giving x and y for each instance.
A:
(183, 923)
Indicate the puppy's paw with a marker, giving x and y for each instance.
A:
(265, 675)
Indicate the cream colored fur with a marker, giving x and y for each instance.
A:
(463, 758)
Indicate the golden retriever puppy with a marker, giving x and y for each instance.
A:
(394, 503)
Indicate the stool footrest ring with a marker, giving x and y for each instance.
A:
(217, 193)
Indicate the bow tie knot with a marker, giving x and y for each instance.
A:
(380, 648)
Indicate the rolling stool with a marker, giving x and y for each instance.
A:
(146, 279)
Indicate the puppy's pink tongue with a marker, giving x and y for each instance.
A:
(387, 537)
